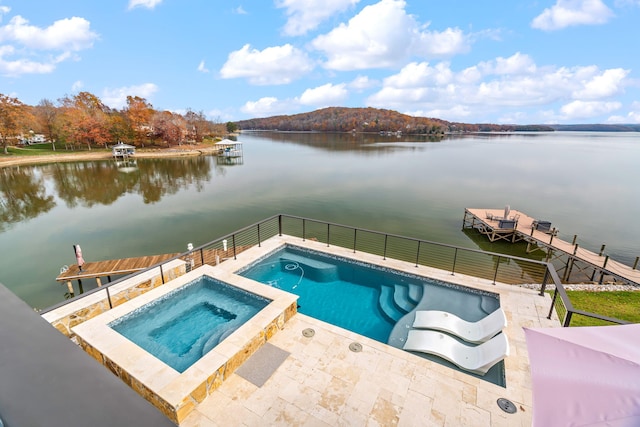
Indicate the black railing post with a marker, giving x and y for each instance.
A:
(495, 274)
(355, 233)
(606, 259)
(635, 264)
(259, 245)
(280, 225)
(567, 319)
(602, 249)
(328, 234)
(161, 274)
(384, 253)
(553, 302)
(233, 240)
(109, 297)
(304, 230)
(202, 256)
(455, 257)
(418, 253)
(543, 285)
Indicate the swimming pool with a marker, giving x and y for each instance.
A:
(185, 324)
(368, 299)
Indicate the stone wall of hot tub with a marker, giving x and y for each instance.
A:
(87, 307)
(177, 399)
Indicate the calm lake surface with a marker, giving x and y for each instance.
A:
(584, 183)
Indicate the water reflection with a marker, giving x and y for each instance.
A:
(89, 183)
(23, 196)
(362, 142)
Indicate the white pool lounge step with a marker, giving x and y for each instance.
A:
(475, 332)
(478, 359)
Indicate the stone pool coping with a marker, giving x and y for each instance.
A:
(323, 383)
(177, 394)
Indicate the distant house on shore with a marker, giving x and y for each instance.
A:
(122, 150)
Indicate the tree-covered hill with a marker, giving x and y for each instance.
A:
(343, 119)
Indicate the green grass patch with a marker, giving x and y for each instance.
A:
(36, 150)
(623, 305)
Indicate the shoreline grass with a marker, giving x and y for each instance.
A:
(623, 305)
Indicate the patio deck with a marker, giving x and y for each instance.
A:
(323, 383)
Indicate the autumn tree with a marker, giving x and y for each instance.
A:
(46, 114)
(169, 127)
(139, 114)
(119, 127)
(197, 125)
(87, 117)
(12, 118)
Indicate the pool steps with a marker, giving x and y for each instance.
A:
(395, 302)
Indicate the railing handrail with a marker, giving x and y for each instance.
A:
(548, 266)
(413, 239)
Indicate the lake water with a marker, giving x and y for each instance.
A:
(584, 183)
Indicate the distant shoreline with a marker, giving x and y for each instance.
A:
(100, 154)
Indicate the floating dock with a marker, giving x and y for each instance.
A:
(517, 226)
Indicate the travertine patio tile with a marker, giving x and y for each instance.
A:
(322, 383)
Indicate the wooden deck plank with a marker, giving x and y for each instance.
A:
(91, 270)
(524, 231)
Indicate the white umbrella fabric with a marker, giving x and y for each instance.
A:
(585, 376)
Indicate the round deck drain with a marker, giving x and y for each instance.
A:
(356, 347)
(507, 406)
(308, 332)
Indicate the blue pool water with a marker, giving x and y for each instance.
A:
(370, 300)
(183, 325)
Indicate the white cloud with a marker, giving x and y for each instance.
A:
(633, 116)
(361, 83)
(515, 64)
(218, 116)
(383, 35)
(4, 10)
(148, 4)
(438, 44)
(271, 66)
(22, 44)
(264, 107)
(117, 98)
(202, 68)
(71, 34)
(566, 13)
(609, 83)
(587, 109)
(21, 66)
(77, 85)
(239, 10)
(493, 86)
(306, 15)
(324, 96)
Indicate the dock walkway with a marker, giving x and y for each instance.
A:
(519, 226)
(99, 269)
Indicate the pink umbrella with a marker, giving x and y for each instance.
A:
(585, 375)
(79, 258)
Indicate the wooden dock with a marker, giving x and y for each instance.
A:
(105, 269)
(520, 227)
(100, 269)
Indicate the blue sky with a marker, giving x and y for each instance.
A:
(516, 61)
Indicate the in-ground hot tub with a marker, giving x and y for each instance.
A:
(186, 323)
(176, 344)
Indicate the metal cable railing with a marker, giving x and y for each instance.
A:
(454, 259)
